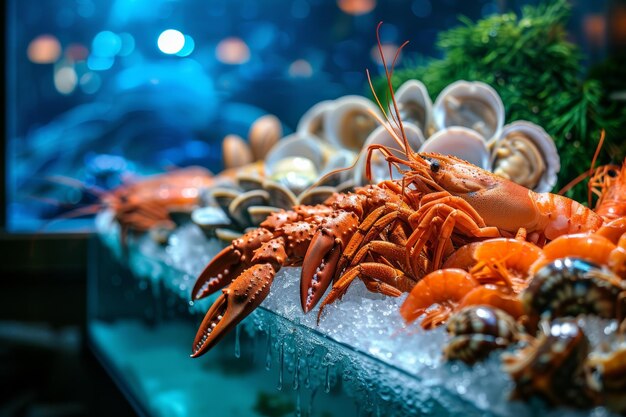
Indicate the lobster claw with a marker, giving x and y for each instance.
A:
(229, 263)
(244, 295)
(322, 256)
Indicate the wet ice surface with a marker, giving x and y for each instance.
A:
(369, 323)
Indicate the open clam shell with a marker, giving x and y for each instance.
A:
(295, 162)
(350, 122)
(474, 105)
(223, 197)
(415, 106)
(527, 155)
(312, 121)
(461, 142)
(379, 166)
(280, 196)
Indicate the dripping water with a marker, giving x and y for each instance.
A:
(327, 381)
(268, 353)
(237, 342)
(311, 400)
(281, 360)
(296, 372)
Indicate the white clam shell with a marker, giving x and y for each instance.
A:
(312, 121)
(461, 142)
(295, 162)
(474, 105)
(415, 105)
(350, 122)
(544, 143)
(380, 168)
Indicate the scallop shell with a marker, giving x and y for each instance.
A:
(312, 121)
(474, 105)
(527, 155)
(350, 122)
(235, 152)
(295, 162)
(461, 142)
(380, 168)
(415, 106)
(264, 134)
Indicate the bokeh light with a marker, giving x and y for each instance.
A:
(44, 49)
(128, 44)
(188, 47)
(65, 79)
(389, 52)
(300, 68)
(232, 51)
(90, 82)
(356, 7)
(171, 41)
(106, 44)
(99, 63)
(76, 52)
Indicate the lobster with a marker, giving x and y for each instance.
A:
(440, 201)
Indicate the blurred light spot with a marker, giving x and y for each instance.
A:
(187, 47)
(171, 41)
(300, 9)
(421, 8)
(356, 7)
(389, 52)
(128, 44)
(106, 44)
(44, 49)
(594, 26)
(99, 63)
(86, 8)
(300, 68)
(261, 35)
(232, 51)
(65, 79)
(90, 82)
(76, 52)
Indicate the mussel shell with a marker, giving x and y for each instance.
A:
(259, 213)
(249, 182)
(223, 196)
(227, 235)
(350, 122)
(238, 208)
(279, 195)
(461, 142)
(474, 105)
(541, 143)
(415, 106)
(210, 218)
(316, 195)
(568, 287)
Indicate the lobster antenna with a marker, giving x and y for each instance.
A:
(573, 183)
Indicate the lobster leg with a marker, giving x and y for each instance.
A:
(322, 256)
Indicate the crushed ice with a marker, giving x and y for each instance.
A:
(368, 322)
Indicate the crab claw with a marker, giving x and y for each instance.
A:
(322, 256)
(244, 295)
(229, 263)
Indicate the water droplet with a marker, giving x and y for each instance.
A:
(237, 343)
(191, 303)
(281, 360)
(327, 381)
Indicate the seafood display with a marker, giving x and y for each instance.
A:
(474, 242)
